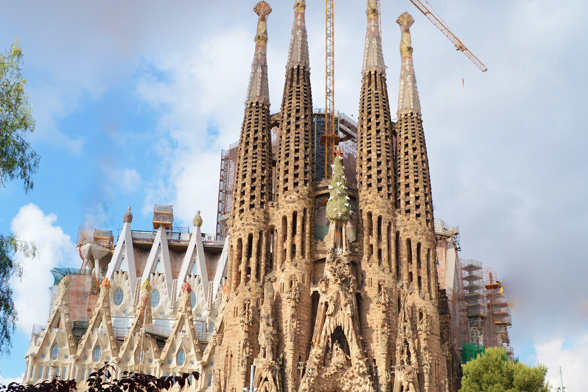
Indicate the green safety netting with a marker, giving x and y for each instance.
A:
(470, 351)
(60, 273)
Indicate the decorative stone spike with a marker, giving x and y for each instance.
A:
(373, 58)
(128, 216)
(197, 221)
(258, 83)
(408, 96)
(298, 53)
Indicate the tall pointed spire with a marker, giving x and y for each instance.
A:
(408, 97)
(298, 53)
(258, 84)
(250, 233)
(376, 185)
(373, 59)
(294, 196)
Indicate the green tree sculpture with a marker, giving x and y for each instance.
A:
(338, 208)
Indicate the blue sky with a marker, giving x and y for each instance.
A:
(135, 100)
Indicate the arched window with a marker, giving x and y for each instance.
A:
(193, 299)
(211, 327)
(181, 357)
(55, 351)
(97, 354)
(118, 296)
(154, 298)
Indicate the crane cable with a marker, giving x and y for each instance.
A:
(450, 129)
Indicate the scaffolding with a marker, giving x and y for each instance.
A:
(163, 215)
(499, 314)
(347, 132)
(474, 299)
(103, 238)
(82, 294)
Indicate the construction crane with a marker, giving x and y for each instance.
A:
(331, 138)
(445, 30)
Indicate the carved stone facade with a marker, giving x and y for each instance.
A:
(289, 309)
(347, 313)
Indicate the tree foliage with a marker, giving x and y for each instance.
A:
(8, 268)
(493, 372)
(17, 158)
(102, 381)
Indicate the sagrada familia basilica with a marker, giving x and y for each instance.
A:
(276, 307)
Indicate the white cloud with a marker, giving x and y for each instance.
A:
(519, 169)
(8, 380)
(121, 180)
(54, 248)
(200, 106)
(572, 358)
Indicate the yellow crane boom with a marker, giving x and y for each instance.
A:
(331, 138)
(445, 30)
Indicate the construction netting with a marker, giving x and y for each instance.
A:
(471, 351)
(83, 291)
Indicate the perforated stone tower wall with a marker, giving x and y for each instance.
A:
(294, 207)
(249, 227)
(376, 187)
(342, 313)
(416, 235)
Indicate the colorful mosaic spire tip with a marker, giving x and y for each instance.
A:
(408, 95)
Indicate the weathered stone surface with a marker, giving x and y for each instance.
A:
(353, 311)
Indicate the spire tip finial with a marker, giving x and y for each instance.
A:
(262, 9)
(373, 57)
(405, 20)
(258, 84)
(298, 51)
(408, 96)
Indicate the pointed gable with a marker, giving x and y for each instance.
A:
(98, 344)
(194, 256)
(160, 255)
(56, 343)
(140, 351)
(182, 352)
(123, 260)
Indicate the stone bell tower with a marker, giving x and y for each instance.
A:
(293, 218)
(419, 360)
(249, 227)
(376, 188)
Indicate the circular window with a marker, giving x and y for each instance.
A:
(55, 351)
(118, 296)
(154, 298)
(193, 299)
(97, 354)
(181, 357)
